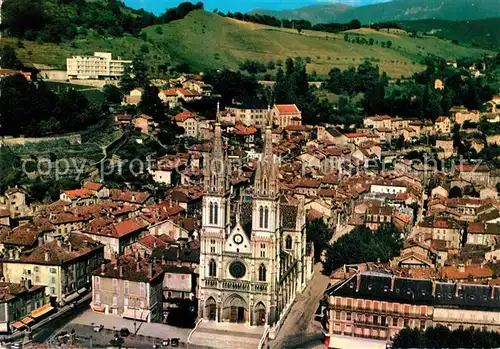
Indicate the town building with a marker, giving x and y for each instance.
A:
(18, 302)
(254, 257)
(63, 267)
(100, 65)
(376, 304)
(286, 114)
(132, 287)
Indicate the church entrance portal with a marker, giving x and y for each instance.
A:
(260, 314)
(210, 309)
(237, 314)
(235, 310)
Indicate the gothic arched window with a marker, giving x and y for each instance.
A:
(212, 268)
(266, 217)
(265, 186)
(288, 242)
(210, 213)
(261, 217)
(216, 213)
(262, 273)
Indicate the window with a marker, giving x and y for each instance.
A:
(36, 269)
(266, 217)
(262, 250)
(142, 289)
(53, 280)
(383, 321)
(262, 273)
(115, 285)
(337, 315)
(97, 283)
(97, 299)
(212, 268)
(212, 246)
(52, 290)
(288, 242)
(216, 213)
(395, 322)
(115, 300)
(37, 278)
(52, 270)
(261, 217)
(210, 213)
(125, 288)
(348, 316)
(406, 323)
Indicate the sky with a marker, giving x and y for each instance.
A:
(159, 6)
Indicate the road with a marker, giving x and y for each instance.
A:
(298, 330)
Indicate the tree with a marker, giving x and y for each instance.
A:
(388, 44)
(8, 58)
(408, 338)
(113, 94)
(126, 82)
(317, 233)
(151, 104)
(140, 70)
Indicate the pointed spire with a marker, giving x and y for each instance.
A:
(268, 138)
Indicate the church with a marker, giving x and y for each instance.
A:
(254, 256)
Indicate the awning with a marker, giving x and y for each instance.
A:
(18, 325)
(82, 290)
(139, 314)
(44, 309)
(71, 297)
(99, 308)
(27, 320)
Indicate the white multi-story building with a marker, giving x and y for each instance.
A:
(100, 65)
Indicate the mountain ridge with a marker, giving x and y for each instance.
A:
(397, 10)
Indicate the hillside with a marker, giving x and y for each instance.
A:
(400, 10)
(481, 32)
(313, 14)
(205, 40)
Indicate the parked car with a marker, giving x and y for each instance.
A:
(98, 328)
(124, 332)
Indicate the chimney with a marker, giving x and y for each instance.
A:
(433, 287)
(358, 282)
(40, 241)
(461, 268)
(393, 279)
(469, 261)
(150, 270)
(133, 197)
(120, 270)
(16, 253)
(70, 247)
(103, 268)
(46, 256)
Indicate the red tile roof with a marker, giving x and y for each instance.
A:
(355, 135)
(92, 186)
(287, 108)
(4, 213)
(472, 168)
(181, 117)
(477, 271)
(79, 194)
(127, 226)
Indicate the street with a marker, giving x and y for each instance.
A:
(147, 334)
(297, 330)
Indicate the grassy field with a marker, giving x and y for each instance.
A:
(93, 94)
(205, 40)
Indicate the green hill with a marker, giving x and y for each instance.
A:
(398, 10)
(481, 32)
(206, 40)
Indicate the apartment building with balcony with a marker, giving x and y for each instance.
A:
(375, 304)
(100, 65)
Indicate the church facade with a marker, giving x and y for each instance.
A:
(254, 256)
